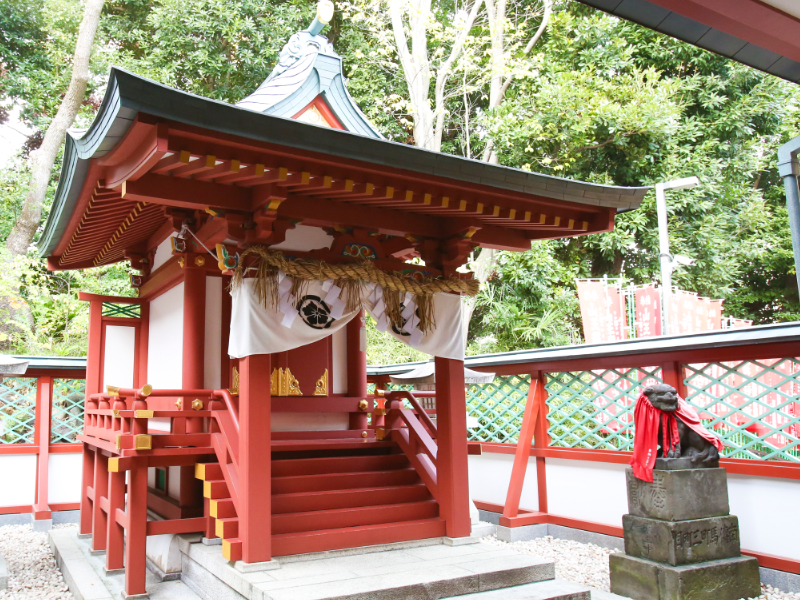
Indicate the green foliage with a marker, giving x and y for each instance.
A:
(598, 99)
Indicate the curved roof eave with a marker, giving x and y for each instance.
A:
(129, 94)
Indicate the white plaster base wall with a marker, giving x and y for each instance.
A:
(489, 475)
(585, 490)
(768, 511)
(19, 473)
(64, 478)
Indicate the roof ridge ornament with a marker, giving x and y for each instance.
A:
(299, 44)
(324, 16)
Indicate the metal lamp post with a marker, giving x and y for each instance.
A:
(663, 242)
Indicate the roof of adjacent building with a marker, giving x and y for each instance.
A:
(759, 335)
(763, 34)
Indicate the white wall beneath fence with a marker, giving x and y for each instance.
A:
(594, 491)
(64, 478)
(19, 473)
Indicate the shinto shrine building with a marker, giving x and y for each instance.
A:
(245, 415)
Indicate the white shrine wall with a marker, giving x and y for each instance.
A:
(212, 349)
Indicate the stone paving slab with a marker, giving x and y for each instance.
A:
(408, 573)
(86, 577)
(543, 590)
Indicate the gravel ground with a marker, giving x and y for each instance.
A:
(32, 570)
(587, 564)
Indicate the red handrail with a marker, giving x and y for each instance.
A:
(423, 415)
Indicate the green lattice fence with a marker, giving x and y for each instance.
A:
(594, 409)
(752, 405)
(67, 413)
(498, 406)
(17, 410)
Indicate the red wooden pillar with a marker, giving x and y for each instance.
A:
(541, 440)
(357, 366)
(94, 349)
(115, 537)
(136, 531)
(194, 335)
(143, 343)
(44, 398)
(451, 463)
(255, 466)
(99, 516)
(94, 352)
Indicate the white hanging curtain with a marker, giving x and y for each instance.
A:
(321, 311)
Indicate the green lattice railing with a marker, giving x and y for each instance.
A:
(498, 407)
(594, 409)
(752, 405)
(67, 413)
(129, 311)
(17, 410)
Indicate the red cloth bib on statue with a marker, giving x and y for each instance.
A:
(647, 418)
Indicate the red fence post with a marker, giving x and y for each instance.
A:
(255, 462)
(523, 450)
(451, 461)
(44, 399)
(541, 441)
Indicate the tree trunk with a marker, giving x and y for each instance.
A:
(42, 160)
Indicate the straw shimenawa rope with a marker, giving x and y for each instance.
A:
(350, 277)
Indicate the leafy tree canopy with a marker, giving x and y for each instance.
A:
(597, 99)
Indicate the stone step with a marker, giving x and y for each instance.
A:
(555, 589)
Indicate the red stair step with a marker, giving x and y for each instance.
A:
(339, 481)
(352, 537)
(352, 498)
(352, 517)
(338, 464)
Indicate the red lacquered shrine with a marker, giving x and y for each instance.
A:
(245, 414)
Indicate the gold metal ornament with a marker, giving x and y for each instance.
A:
(146, 390)
(234, 389)
(321, 389)
(363, 405)
(178, 403)
(182, 262)
(112, 390)
(197, 404)
(363, 434)
(283, 383)
(200, 260)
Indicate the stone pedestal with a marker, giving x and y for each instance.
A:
(680, 541)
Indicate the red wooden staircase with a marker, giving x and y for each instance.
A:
(332, 495)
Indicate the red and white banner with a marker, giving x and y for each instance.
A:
(602, 311)
(648, 311)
